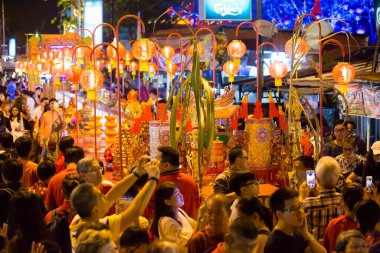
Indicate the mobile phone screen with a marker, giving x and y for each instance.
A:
(368, 183)
(310, 178)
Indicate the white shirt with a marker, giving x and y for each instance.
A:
(30, 103)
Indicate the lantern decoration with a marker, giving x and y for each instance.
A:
(133, 67)
(47, 67)
(109, 67)
(44, 55)
(343, 73)
(121, 67)
(152, 69)
(230, 69)
(91, 79)
(51, 55)
(39, 67)
(67, 53)
(82, 53)
(200, 49)
(167, 52)
(98, 64)
(171, 68)
(128, 57)
(111, 52)
(236, 49)
(57, 71)
(73, 74)
(278, 70)
(301, 48)
(98, 53)
(143, 50)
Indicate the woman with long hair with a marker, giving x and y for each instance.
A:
(26, 222)
(170, 222)
(18, 124)
(5, 108)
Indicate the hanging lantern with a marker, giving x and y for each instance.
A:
(121, 67)
(67, 53)
(301, 48)
(72, 75)
(51, 55)
(111, 52)
(343, 73)
(143, 50)
(236, 49)
(47, 67)
(109, 67)
(230, 69)
(98, 53)
(133, 67)
(278, 70)
(44, 55)
(128, 57)
(152, 69)
(167, 52)
(82, 53)
(171, 68)
(57, 70)
(91, 79)
(39, 67)
(200, 49)
(98, 64)
(59, 54)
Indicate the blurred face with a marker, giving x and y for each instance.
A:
(15, 111)
(340, 132)
(242, 162)
(45, 102)
(217, 216)
(300, 171)
(293, 213)
(376, 158)
(163, 166)
(94, 174)
(250, 189)
(238, 244)
(356, 245)
(176, 201)
(348, 150)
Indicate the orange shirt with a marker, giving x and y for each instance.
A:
(29, 173)
(54, 195)
(60, 163)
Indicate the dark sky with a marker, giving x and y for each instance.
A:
(29, 16)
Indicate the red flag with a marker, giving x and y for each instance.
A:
(234, 123)
(273, 112)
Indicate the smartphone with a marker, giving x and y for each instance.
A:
(310, 178)
(368, 183)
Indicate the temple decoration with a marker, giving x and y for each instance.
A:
(143, 50)
(343, 73)
(236, 49)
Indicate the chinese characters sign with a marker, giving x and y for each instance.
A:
(238, 10)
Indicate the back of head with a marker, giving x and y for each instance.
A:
(327, 172)
(92, 241)
(23, 146)
(240, 179)
(45, 169)
(352, 194)
(235, 152)
(65, 142)
(367, 214)
(278, 198)
(243, 227)
(162, 247)
(6, 140)
(169, 155)
(248, 206)
(134, 237)
(344, 239)
(339, 122)
(83, 199)
(70, 182)
(12, 170)
(307, 161)
(73, 154)
(85, 164)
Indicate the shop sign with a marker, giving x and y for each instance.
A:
(234, 10)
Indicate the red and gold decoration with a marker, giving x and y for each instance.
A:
(278, 70)
(73, 74)
(200, 49)
(171, 68)
(343, 73)
(143, 50)
(236, 49)
(301, 48)
(167, 52)
(152, 68)
(133, 67)
(91, 79)
(230, 69)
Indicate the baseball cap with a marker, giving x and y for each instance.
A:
(376, 147)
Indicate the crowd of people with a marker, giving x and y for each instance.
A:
(54, 198)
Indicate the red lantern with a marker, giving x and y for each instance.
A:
(152, 69)
(111, 52)
(30, 66)
(44, 55)
(91, 79)
(230, 69)
(133, 67)
(343, 73)
(73, 73)
(171, 68)
(47, 67)
(278, 70)
(128, 57)
(121, 67)
(109, 67)
(167, 52)
(301, 48)
(236, 49)
(143, 50)
(51, 55)
(39, 66)
(200, 49)
(57, 69)
(67, 53)
(98, 53)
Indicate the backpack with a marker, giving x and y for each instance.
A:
(59, 226)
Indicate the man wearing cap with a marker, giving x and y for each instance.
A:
(370, 168)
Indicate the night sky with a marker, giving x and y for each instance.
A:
(29, 16)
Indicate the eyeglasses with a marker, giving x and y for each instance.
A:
(244, 157)
(293, 209)
(251, 182)
(340, 130)
(348, 149)
(95, 170)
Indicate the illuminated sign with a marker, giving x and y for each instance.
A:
(239, 10)
(12, 47)
(93, 15)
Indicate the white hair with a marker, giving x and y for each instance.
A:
(327, 172)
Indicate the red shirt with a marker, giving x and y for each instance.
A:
(60, 163)
(29, 173)
(65, 207)
(306, 145)
(54, 194)
(202, 241)
(188, 188)
(334, 228)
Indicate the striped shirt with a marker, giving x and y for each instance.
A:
(320, 210)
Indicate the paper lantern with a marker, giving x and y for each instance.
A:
(128, 57)
(47, 67)
(109, 66)
(57, 69)
(98, 52)
(167, 52)
(91, 79)
(111, 52)
(44, 55)
(121, 67)
(143, 50)
(98, 64)
(133, 67)
(200, 49)
(39, 66)
(152, 69)
(301, 48)
(171, 68)
(236, 49)
(230, 69)
(343, 73)
(73, 74)
(82, 53)
(278, 70)
(67, 52)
